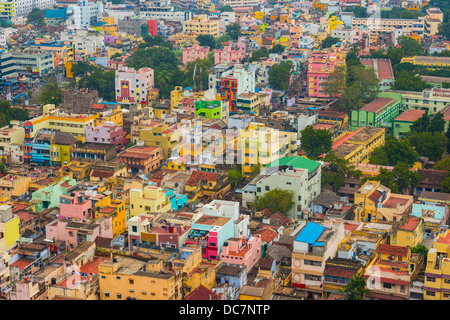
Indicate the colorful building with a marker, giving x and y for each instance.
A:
(9, 226)
(379, 113)
(191, 54)
(160, 135)
(149, 199)
(209, 109)
(142, 159)
(402, 124)
(243, 251)
(132, 86)
(437, 272)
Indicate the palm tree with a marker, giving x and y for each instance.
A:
(356, 289)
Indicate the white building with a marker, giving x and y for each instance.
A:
(306, 42)
(229, 209)
(85, 13)
(167, 13)
(24, 7)
(133, 86)
(84, 42)
(297, 174)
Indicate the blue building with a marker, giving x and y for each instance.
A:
(177, 201)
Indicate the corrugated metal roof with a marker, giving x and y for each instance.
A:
(310, 233)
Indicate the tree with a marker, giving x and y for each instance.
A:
(409, 81)
(336, 170)
(437, 123)
(116, 55)
(233, 30)
(420, 249)
(102, 81)
(329, 41)
(279, 75)
(278, 48)
(51, 93)
(206, 40)
(429, 144)
(202, 69)
(80, 68)
(221, 40)
(400, 13)
(444, 29)
(36, 17)
(3, 168)
(356, 288)
(422, 124)
(261, 53)
(255, 170)
(410, 46)
(226, 8)
(393, 152)
(443, 165)
(152, 41)
(234, 176)
(447, 135)
(316, 142)
(445, 185)
(335, 84)
(275, 200)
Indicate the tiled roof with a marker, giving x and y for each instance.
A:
(267, 235)
(375, 196)
(202, 293)
(277, 216)
(391, 249)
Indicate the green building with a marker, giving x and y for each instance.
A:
(378, 113)
(209, 109)
(402, 124)
(49, 196)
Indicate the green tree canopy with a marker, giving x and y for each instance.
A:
(443, 165)
(226, 8)
(234, 176)
(278, 48)
(279, 75)
(420, 248)
(444, 29)
(393, 152)
(80, 68)
(400, 13)
(51, 93)
(356, 288)
(275, 200)
(233, 30)
(261, 53)
(335, 84)
(329, 41)
(202, 69)
(152, 41)
(8, 113)
(206, 40)
(445, 185)
(316, 142)
(102, 81)
(399, 180)
(409, 81)
(36, 17)
(429, 144)
(336, 170)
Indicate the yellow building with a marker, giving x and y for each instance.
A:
(115, 209)
(261, 145)
(9, 228)
(7, 10)
(149, 199)
(428, 62)
(204, 274)
(409, 233)
(334, 23)
(127, 278)
(115, 115)
(160, 135)
(260, 289)
(437, 272)
(375, 202)
(358, 146)
(54, 119)
(14, 185)
(201, 25)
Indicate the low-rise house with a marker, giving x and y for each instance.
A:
(242, 250)
(141, 159)
(338, 272)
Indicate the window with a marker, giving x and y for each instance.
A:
(106, 294)
(118, 278)
(119, 296)
(131, 281)
(134, 228)
(446, 280)
(431, 293)
(431, 279)
(387, 285)
(267, 188)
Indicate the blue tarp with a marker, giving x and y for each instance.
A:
(310, 233)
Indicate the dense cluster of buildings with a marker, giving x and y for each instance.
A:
(137, 198)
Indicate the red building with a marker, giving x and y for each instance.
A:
(152, 27)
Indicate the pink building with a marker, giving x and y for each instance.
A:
(108, 133)
(321, 65)
(229, 54)
(152, 28)
(133, 86)
(242, 251)
(75, 206)
(190, 54)
(74, 232)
